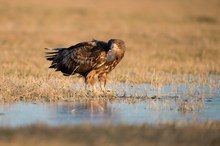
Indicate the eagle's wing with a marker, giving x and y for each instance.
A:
(79, 58)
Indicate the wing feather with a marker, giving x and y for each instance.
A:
(81, 57)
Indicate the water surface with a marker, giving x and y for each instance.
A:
(175, 104)
(99, 112)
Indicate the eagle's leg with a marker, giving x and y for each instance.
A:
(102, 80)
(90, 80)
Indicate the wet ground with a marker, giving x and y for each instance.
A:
(166, 105)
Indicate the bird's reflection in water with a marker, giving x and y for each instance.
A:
(83, 111)
(92, 107)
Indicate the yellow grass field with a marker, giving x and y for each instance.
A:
(164, 39)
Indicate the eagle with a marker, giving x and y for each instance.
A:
(92, 59)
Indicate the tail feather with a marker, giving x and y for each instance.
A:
(57, 49)
(61, 60)
(50, 58)
(54, 53)
(49, 53)
(52, 66)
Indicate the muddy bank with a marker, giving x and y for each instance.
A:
(202, 134)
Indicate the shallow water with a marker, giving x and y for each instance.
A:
(100, 112)
(176, 104)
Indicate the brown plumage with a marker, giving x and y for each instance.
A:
(89, 59)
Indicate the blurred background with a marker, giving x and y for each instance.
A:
(163, 36)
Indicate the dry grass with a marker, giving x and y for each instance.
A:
(166, 41)
(195, 134)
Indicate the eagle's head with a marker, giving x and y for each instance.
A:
(116, 44)
(116, 49)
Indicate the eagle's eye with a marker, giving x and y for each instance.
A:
(114, 47)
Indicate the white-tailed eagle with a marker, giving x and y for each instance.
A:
(89, 59)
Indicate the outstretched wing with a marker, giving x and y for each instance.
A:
(79, 58)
